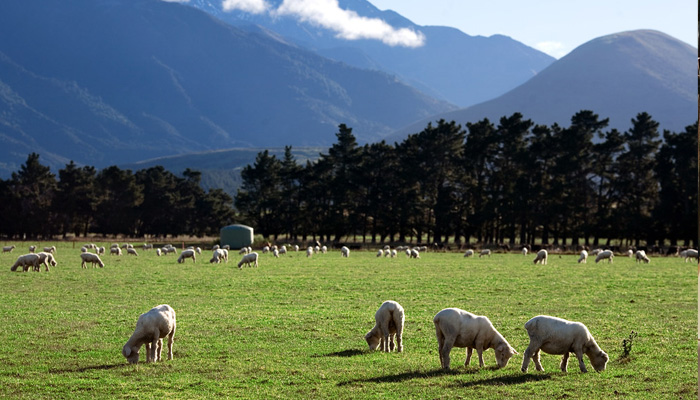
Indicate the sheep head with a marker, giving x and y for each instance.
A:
(503, 354)
(599, 359)
(372, 340)
(131, 353)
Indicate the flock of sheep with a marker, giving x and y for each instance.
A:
(453, 327)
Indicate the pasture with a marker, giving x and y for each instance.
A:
(294, 327)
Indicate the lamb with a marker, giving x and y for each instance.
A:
(283, 250)
(83, 249)
(524, 251)
(414, 253)
(541, 257)
(8, 249)
(309, 251)
(604, 255)
(296, 247)
(380, 253)
(455, 327)
(151, 328)
(324, 249)
(641, 256)
(243, 250)
(389, 320)
(187, 254)
(584, 257)
(248, 259)
(276, 253)
(51, 249)
(46, 259)
(219, 255)
(394, 253)
(469, 253)
(198, 250)
(101, 250)
(131, 251)
(115, 250)
(691, 253)
(265, 249)
(216, 247)
(485, 252)
(91, 258)
(344, 251)
(26, 261)
(630, 253)
(147, 246)
(158, 252)
(558, 336)
(32, 248)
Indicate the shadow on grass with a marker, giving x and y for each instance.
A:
(344, 353)
(497, 381)
(516, 379)
(85, 369)
(405, 376)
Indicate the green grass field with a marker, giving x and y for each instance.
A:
(294, 327)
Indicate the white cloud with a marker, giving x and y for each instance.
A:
(554, 49)
(327, 14)
(251, 6)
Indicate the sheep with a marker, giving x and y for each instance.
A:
(151, 328)
(216, 247)
(469, 253)
(147, 246)
(387, 247)
(584, 257)
(243, 250)
(641, 256)
(408, 252)
(380, 253)
(296, 247)
(387, 253)
(389, 320)
(394, 253)
(131, 251)
(91, 258)
(187, 254)
(170, 249)
(265, 249)
(26, 261)
(324, 249)
(158, 252)
(8, 249)
(691, 253)
(414, 253)
(595, 252)
(485, 252)
(32, 248)
(283, 250)
(226, 247)
(217, 256)
(541, 257)
(309, 251)
(630, 253)
(51, 249)
(248, 259)
(455, 327)
(558, 336)
(46, 259)
(115, 250)
(83, 249)
(276, 253)
(604, 255)
(344, 251)
(524, 251)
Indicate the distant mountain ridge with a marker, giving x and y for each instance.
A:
(451, 65)
(616, 76)
(107, 82)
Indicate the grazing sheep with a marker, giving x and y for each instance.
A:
(226, 247)
(387, 247)
(83, 249)
(296, 247)
(641, 256)
(32, 249)
(91, 258)
(26, 261)
(158, 252)
(394, 253)
(558, 336)
(388, 322)
(243, 250)
(455, 327)
(541, 257)
(630, 253)
(8, 249)
(324, 249)
(151, 328)
(198, 250)
(147, 246)
(131, 251)
(219, 255)
(265, 249)
(584, 257)
(604, 255)
(115, 250)
(187, 254)
(469, 253)
(46, 259)
(485, 252)
(216, 247)
(248, 259)
(524, 251)
(309, 251)
(101, 250)
(380, 253)
(414, 253)
(344, 251)
(51, 249)
(283, 250)
(691, 253)
(276, 253)
(595, 252)
(408, 252)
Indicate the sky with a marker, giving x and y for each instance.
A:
(555, 27)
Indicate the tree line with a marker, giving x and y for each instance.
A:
(112, 201)
(510, 182)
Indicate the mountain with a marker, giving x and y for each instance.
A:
(451, 65)
(107, 82)
(617, 76)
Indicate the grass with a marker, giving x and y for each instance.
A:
(294, 327)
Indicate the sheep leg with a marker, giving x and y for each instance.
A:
(445, 352)
(171, 339)
(579, 356)
(148, 352)
(391, 342)
(384, 328)
(441, 344)
(469, 357)
(159, 350)
(564, 362)
(533, 353)
(536, 359)
(480, 352)
(399, 342)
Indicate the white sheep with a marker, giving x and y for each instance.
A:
(226, 247)
(115, 250)
(219, 255)
(151, 328)
(414, 253)
(691, 253)
(283, 250)
(541, 257)
(32, 248)
(524, 251)
(265, 249)
(8, 249)
(189, 253)
(485, 252)
(387, 247)
(558, 336)
(26, 261)
(317, 249)
(408, 252)
(595, 252)
(394, 253)
(604, 255)
(309, 251)
(324, 249)
(101, 250)
(344, 251)
(83, 249)
(389, 320)
(147, 246)
(91, 258)
(244, 250)
(584, 257)
(469, 253)
(51, 249)
(198, 250)
(380, 253)
(170, 249)
(455, 327)
(276, 253)
(46, 259)
(216, 247)
(131, 251)
(641, 256)
(296, 247)
(248, 259)
(158, 252)
(630, 253)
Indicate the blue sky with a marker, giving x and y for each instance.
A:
(553, 26)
